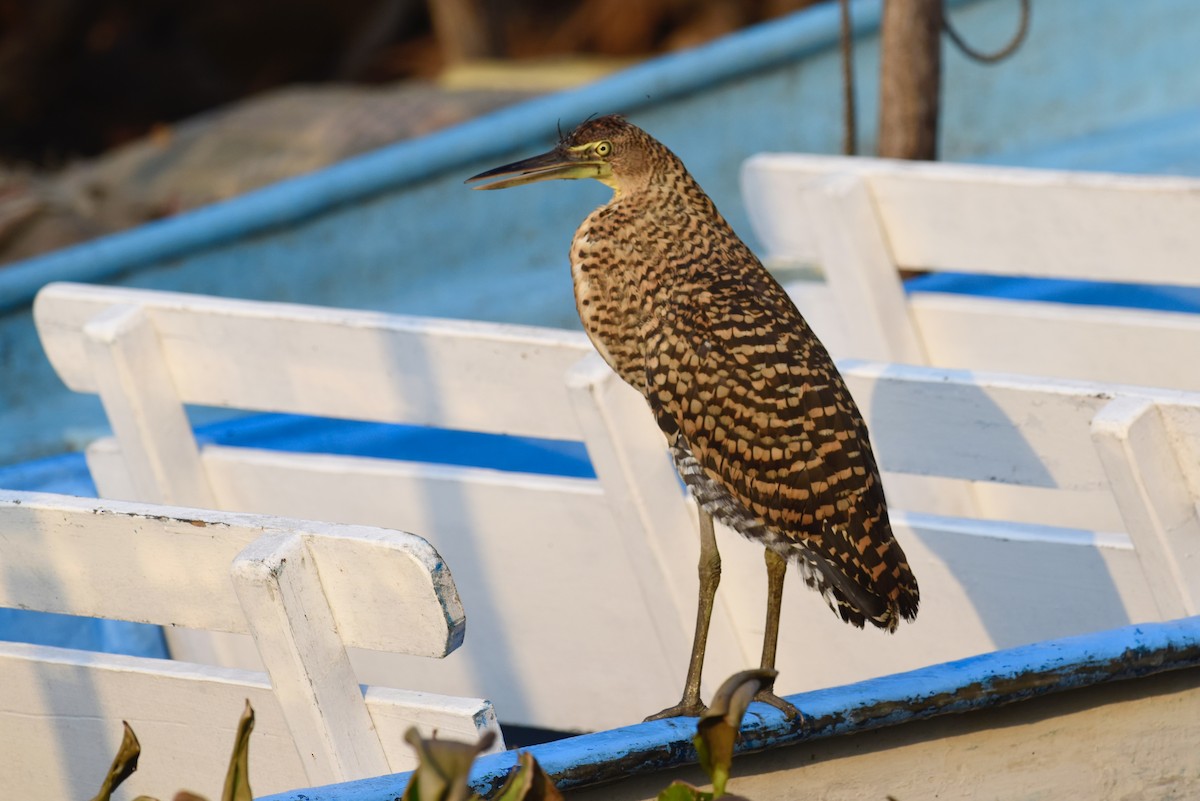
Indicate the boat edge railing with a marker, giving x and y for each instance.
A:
(975, 683)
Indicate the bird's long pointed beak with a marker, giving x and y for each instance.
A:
(555, 164)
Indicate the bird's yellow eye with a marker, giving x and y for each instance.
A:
(602, 149)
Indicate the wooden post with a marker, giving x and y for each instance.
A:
(910, 79)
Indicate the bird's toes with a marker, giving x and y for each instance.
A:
(684, 709)
(769, 697)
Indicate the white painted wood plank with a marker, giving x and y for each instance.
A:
(1183, 423)
(1091, 508)
(981, 427)
(1002, 220)
(393, 711)
(984, 585)
(205, 646)
(109, 471)
(169, 566)
(143, 408)
(310, 360)
(1023, 446)
(389, 590)
(866, 286)
(1095, 227)
(107, 559)
(658, 521)
(1151, 489)
(1094, 508)
(61, 713)
(280, 590)
(629, 454)
(1106, 345)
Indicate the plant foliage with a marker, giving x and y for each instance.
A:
(237, 777)
(444, 766)
(717, 734)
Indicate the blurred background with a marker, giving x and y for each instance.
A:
(114, 112)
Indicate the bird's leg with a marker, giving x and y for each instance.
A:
(710, 576)
(776, 572)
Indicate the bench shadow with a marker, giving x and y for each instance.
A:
(1026, 581)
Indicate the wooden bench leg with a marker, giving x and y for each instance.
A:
(280, 591)
(144, 409)
(1138, 453)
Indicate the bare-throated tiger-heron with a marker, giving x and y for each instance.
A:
(760, 423)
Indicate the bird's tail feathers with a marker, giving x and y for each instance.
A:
(874, 585)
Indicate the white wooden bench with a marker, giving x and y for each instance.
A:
(538, 560)
(591, 584)
(861, 220)
(304, 590)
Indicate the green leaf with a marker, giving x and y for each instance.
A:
(442, 767)
(715, 749)
(528, 782)
(516, 787)
(682, 791)
(717, 730)
(123, 764)
(237, 777)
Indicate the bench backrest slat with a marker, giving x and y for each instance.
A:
(105, 559)
(997, 220)
(1105, 345)
(328, 362)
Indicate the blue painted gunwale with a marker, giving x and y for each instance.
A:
(966, 685)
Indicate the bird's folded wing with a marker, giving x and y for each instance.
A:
(741, 382)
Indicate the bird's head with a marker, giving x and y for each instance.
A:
(608, 149)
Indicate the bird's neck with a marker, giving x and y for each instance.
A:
(642, 247)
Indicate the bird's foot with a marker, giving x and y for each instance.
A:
(686, 708)
(769, 697)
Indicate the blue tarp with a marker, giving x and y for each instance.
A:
(1079, 293)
